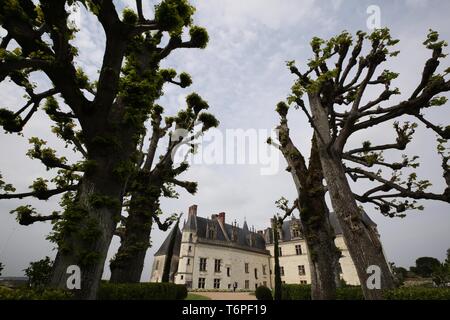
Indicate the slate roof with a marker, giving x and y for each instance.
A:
(162, 251)
(243, 233)
(333, 221)
(199, 225)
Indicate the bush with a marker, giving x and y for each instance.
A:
(182, 292)
(31, 294)
(296, 292)
(263, 293)
(418, 293)
(303, 292)
(138, 291)
(349, 293)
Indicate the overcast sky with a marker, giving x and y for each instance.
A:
(242, 74)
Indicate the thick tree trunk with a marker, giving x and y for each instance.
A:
(322, 252)
(363, 245)
(128, 264)
(88, 227)
(314, 215)
(319, 234)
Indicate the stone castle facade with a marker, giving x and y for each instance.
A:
(212, 254)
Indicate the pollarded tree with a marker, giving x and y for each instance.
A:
(153, 179)
(328, 89)
(314, 215)
(104, 119)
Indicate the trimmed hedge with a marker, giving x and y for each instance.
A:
(418, 293)
(263, 293)
(303, 292)
(140, 291)
(107, 291)
(30, 294)
(182, 292)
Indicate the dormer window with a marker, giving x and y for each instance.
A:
(211, 234)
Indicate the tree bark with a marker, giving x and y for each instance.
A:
(128, 264)
(277, 272)
(314, 216)
(87, 244)
(363, 245)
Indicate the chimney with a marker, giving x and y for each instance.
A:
(222, 218)
(193, 210)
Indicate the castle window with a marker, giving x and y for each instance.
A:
(281, 271)
(182, 277)
(301, 270)
(246, 268)
(228, 271)
(256, 273)
(216, 283)
(303, 282)
(201, 283)
(190, 248)
(188, 262)
(202, 264)
(265, 283)
(296, 233)
(190, 237)
(298, 249)
(247, 284)
(264, 270)
(217, 265)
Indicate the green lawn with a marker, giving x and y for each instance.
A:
(194, 296)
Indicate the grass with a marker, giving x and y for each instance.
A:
(194, 296)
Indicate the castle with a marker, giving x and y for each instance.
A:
(212, 254)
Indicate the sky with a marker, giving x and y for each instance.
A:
(242, 74)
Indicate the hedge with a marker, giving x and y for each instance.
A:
(303, 292)
(263, 293)
(141, 291)
(29, 294)
(418, 293)
(107, 291)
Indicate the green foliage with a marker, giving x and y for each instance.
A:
(418, 293)
(425, 266)
(10, 121)
(6, 187)
(196, 103)
(263, 293)
(39, 273)
(40, 188)
(185, 80)
(182, 292)
(199, 37)
(209, 121)
(139, 291)
(129, 16)
(32, 294)
(282, 109)
(173, 15)
(432, 42)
